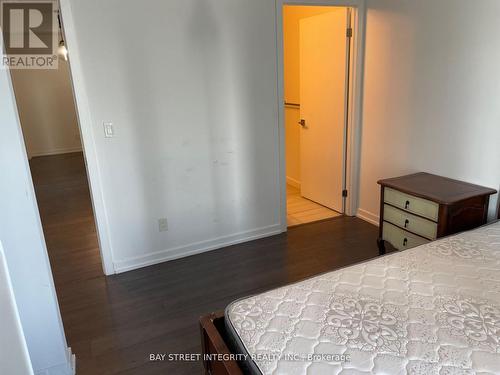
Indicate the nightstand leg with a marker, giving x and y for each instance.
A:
(381, 246)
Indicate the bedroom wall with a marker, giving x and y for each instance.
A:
(46, 110)
(24, 246)
(431, 87)
(191, 90)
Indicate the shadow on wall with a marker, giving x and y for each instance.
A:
(387, 100)
(453, 105)
(430, 76)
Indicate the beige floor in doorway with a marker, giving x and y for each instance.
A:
(301, 210)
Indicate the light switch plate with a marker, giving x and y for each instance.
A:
(109, 130)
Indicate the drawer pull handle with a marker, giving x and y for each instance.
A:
(407, 205)
(406, 223)
(405, 242)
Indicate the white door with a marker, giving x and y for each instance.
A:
(322, 107)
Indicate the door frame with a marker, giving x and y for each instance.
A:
(84, 121)
(87, 136)
(353, 152)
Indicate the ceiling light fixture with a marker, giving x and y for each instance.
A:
(62, 51)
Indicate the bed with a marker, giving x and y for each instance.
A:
(433, 309)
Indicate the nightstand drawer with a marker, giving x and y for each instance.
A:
(412, 204)
(422, 207)
(415, 224)
(400, 238)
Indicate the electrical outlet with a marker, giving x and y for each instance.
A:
(162, 224)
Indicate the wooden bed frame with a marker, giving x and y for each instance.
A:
(213, 342)
(213, 336)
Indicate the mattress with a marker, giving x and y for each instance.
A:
(433, 309)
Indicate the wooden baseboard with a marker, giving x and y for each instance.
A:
(195, 248)
(293, 182)
(368, 216)
(58, 151)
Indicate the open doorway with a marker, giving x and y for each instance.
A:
(316, 46)
(49, 122)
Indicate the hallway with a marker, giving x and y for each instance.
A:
(113, 323)
(65, 207)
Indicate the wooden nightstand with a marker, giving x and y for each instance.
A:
(422, 207)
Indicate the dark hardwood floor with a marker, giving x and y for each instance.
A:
(114, 323)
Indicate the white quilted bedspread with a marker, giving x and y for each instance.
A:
(434, 309)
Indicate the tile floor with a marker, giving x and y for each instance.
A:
(301, 210)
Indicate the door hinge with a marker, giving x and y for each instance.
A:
(344, 193)
(349, 32)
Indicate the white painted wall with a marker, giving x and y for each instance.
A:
(46, 110)
(14, 357)
(191, 89)
(22, 238)
(431, 93)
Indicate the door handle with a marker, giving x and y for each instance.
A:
(302, 123)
